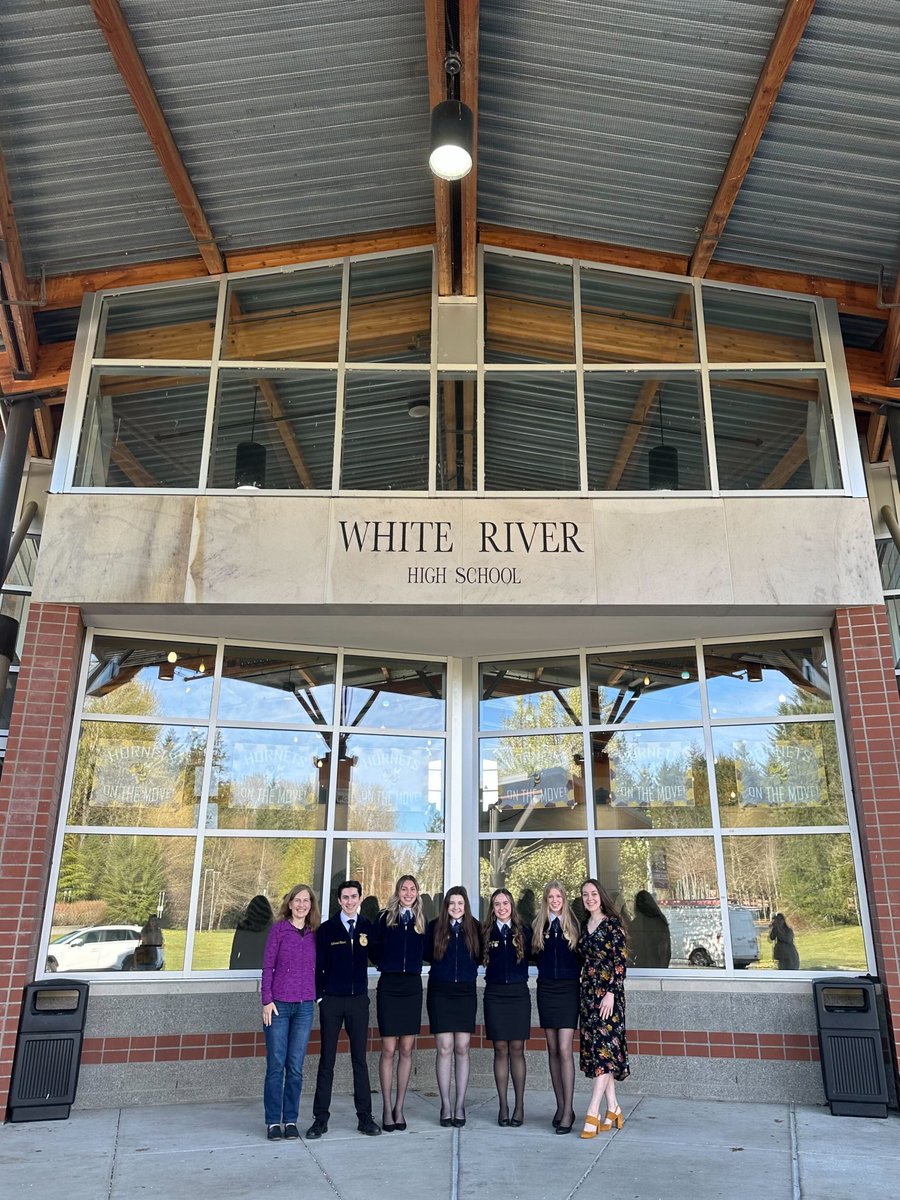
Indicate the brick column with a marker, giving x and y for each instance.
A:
(30, 791)
(872, 714)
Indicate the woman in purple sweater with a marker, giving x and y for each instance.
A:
(288, 1000)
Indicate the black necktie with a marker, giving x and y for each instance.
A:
(406, 917)
(555, 925)
(350, 927)
(455, 926)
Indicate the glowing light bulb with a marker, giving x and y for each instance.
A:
(172, 656)
(646, 681)
(201, 670)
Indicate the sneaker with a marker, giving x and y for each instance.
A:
(273, 1133)
(291, 1130)
(368, 1127)
(316, 1130)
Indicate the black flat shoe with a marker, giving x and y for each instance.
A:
(367, 1126)
(291, 1130)
(316, 1130)
(459, 1122)
(273, 1133)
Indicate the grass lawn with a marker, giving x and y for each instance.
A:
(837, 949)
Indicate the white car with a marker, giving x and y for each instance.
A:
(98, 948)
(695, 927)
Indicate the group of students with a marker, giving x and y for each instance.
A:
(581, 975)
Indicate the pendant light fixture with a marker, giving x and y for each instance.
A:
(250, 460)
(452, 122)
(662, 461)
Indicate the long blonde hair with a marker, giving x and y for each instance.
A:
(567, 921)
(392, 908)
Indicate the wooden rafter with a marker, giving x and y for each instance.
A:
(892, 340)
(468, 83)
(785, 469)
(436, 51)
(272, 401)
(114, 28)
(16, 319)
(784, 45)
(43, 423)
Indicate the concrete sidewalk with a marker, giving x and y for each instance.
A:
(667, 1148)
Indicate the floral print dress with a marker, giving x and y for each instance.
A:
(604, 1049)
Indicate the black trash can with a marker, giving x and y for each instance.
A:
(48, 1050)
(851, 1046)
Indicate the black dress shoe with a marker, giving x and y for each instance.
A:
(516, 1122)
(368, 1127)
(560, 1128)
(387, 1127)
(557, 1121)
(400, 1126)
(291, 1130)
(446, 1122)
(273, 1133)
(316, 1130)
(502, 1121)
(459, 1122)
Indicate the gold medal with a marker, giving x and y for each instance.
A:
(363, 939)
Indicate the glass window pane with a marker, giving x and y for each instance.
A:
(650, 779)
(21, 573)
(392, 693)
(744, 327)
(787, 774)
(289, 414)
(121, 880)
(242, 884)
(291, 687)
(629, 318)
(143, 430)
(540, 693)
(9, 696)
(530, 433)
(292, 317)
(888, 561)
(168, 323)
(140, 775)
(526, 865)
(528, 310)
(390, 310)
(810, 880)
(644, 433)
(773, 433)
(457, 465)
(768, 679)
(135, 678)
(378, 864)
(269, 779)
(385, 438)
(644, 686)
(893, 611)
(15, 605)
(532, 783)
(668, 892)
(388, 784)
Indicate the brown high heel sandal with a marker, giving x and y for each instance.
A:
(613, 1118)
(591, 1133)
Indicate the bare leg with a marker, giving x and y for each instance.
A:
(611, 1102)
(461, 1049)
(552, 1036)
(443, 1066)
(386, 1077)
(517, 1070)
(599, 1091)
(567, 1076)
(501, 1076)
(404, 1068)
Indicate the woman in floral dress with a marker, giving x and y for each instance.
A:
(604, 1051)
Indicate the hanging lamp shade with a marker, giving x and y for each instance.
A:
(452, 131)
(662, 462)
(250, 466)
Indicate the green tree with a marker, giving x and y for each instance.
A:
(133, 878)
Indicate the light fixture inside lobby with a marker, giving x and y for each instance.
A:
(452, 127)
(662, 461)
(418, 408)
(250, 460)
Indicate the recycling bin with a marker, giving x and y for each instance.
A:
(48, 1050)
(851, 1044)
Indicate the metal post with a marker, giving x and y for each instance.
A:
(12, 465)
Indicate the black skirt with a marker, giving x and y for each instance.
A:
(507, 1012)
(451, 1006)
(398, 1003)
(557, 1003)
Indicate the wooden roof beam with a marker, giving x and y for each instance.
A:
(436, 52)
(468, 94)
(892, 340)
(114, 28)
(791, 28)
(17, 326)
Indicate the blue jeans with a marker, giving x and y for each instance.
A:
(286, 1041)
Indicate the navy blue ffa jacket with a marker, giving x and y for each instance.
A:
(397, 949)
(342, 962)
(555, 958)
(502, 966)
(457, 965)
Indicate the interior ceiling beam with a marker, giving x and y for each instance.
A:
(892, 340)
(468, 83)
(791, 28)
(115, 29)
(436, 52)
(17, 319)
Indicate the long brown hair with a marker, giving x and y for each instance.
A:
(606, 902)
(392, 908)
(313, 917)
(515, 924)
(469, 925)
(567, 920)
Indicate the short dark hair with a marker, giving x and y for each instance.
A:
(349, 883)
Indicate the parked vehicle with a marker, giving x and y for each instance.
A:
(97, 948)
(695, 927)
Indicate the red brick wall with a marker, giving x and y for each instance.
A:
(29, 802)
(872, 714)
